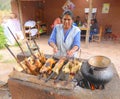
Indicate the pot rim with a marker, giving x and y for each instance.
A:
(100, 58)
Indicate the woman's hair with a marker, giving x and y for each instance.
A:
(95, 20)
(68, 13)
(77, 16)
(13, 15)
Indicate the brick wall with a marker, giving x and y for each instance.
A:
(53, 8)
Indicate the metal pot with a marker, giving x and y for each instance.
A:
(99, 62)
(97, 69)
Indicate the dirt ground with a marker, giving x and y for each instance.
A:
(107, 48)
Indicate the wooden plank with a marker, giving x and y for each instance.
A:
(34, 79)
(83, 28)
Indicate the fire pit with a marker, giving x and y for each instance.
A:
(24, 86)
(97, 71)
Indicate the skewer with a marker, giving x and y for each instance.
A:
(71, 71)
(80, 54)
(37, 46)
(47, 66)
(53, 73)
(27, 63)
(56, 69)
(30, 50)
(17, 42)
(59, 77)
(62, 72)
(41, 54)
(37, 62)
(14, 57)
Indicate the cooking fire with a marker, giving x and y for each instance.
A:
(86, 84)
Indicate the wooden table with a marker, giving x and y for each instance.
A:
(83, 29)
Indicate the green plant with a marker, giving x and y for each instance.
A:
(2, 38)
(17, 44)
(1, 57)
(5, 5)
(8, 61)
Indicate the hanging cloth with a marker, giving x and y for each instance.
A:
(68, 5)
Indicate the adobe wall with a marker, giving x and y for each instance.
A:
(53, 8)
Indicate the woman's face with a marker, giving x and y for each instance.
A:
(67, 21)
(92, 22)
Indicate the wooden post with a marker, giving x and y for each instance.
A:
(20, 14)
(88, 21)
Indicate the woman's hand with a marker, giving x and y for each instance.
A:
(70, 53)
(55, 49)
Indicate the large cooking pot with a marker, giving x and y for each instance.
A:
(99, 62)
(97, 69)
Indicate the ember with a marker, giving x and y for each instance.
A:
(86, 84)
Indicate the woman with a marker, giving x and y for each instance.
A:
(93, 28)
(78, 21)
(14, 25)
(65, 38)
(56, 21)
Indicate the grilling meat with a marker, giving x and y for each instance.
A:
(58, 65)
(47, 66)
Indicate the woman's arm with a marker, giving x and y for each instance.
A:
(76, 41)
(52, 41)
(52, 36)
(53, 45)
(75, 45)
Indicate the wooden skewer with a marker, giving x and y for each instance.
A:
(37, 61)
(17, 42)
(30, 50)
(37, 46)
(14, 57)
(27, 63)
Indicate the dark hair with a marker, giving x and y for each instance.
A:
(77, 16)
(95, 20)
(68, 13)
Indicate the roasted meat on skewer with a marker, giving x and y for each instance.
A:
(31, 67)
(42, 58)
(56, 69)
(47, 66)
(76, 65)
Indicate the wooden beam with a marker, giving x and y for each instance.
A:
(20, 15)
(88, 21)
(31, 0)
